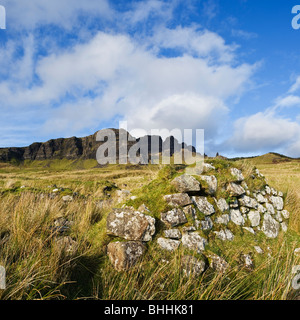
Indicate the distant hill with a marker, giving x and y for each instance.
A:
(80, 148)
(268, 158)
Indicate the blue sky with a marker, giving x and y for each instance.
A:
(230, 67)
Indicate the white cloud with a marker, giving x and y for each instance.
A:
(263, 132)
(296, 86)
(288, 101)
(114, 75)
(30, 13)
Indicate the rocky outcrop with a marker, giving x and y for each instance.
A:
(84, 148)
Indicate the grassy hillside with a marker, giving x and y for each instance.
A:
(39, 266)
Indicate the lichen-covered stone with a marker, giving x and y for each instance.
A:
(248, 202)
(130, 224)
(277, 202)
(224, 219)
(237, 174)
(217, 263)
(285, 214)
(178, 199)
(206, 224)
(225, 235)
(254, 217)
(212, 183)
(174, 217)
(124, 255)
(172, 234)
(222, 205)
(236, 217)
(168, 244)
(270, 226)
(192, 266)
(235, 190)
(270, 208)
(194, 241)
(203, 205)
(186, 183)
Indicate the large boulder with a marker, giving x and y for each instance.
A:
(174, 217)
(270, 226)
(186, 183)
(124, 255)
(178, 199)
(130, 224)
(203, 205)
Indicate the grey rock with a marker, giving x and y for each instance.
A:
(66, 244)
(248, 202)
(208, 167)
(277, 202)
(67, 198)
(278, 216)
(258, 249)
(172, 234)
(261, 208)
(236, 217)
(224, 219)
(207, 224)
(212, 183)
(247, 261)
(244, 210)
(222, 205)
(254, 217)
(270, 208)
(186, 183)
(224, 235)
(270, 226)
(284, 227)
(188, 229)
(203, 205)
(285, 214)
(193, 241)
(178, 199)
(168, 244)
(297, 252)
(124, 255)
(174, 217)
(237, 174)
(190, 212)
(260, 198)
(130, 224)
(192, 266)
(235, 190)
(249, 230)
(268, 189)
(217, 263)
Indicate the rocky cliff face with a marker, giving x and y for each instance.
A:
(78, 148)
